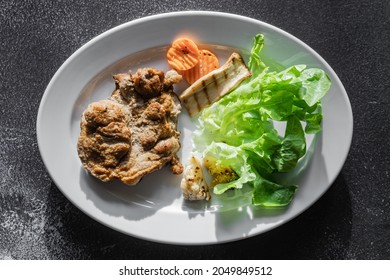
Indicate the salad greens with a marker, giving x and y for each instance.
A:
(238, 130)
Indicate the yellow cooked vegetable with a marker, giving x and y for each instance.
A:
(220, 173)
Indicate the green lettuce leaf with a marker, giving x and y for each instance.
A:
(293, 146)
(255, 64)
(239, 132)
(270, 194)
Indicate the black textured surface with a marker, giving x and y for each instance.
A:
(351, 221)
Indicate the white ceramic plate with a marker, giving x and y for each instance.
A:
(154, 209)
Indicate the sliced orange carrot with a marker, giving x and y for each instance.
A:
(183, 54)
(207, 63)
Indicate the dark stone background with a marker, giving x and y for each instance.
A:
(351, 221)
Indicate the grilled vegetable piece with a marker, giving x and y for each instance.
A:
(214, 85)
(193, 185)
(183, 54)
(221, 173)
(207, 63)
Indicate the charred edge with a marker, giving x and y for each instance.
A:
(225, 74)
(197, 102)
(204, 85)
(215, 80)
(206, 93)
(184, 100)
